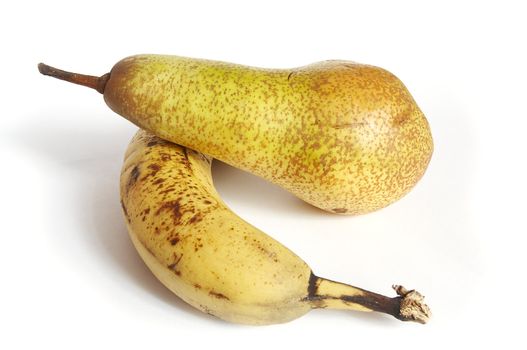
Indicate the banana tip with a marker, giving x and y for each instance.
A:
(412, 307)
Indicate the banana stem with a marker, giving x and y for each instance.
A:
(407, 306)
(97, 83)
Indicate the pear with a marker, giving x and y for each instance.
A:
(345, 137)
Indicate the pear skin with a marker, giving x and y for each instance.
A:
(345, 137)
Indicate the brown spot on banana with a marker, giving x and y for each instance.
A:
(196, 218)
(174, 206)
(218, 295)
(174, 264)
(155, 168)
(134, 175)
(158, 181)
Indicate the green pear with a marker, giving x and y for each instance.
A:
(345, 137)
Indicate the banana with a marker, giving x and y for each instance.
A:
(214, 260)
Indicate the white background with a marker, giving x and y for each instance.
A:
(70, 277)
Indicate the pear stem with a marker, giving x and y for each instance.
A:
(407, 306)
(97, 83)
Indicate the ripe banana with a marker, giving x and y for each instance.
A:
(215, 261)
